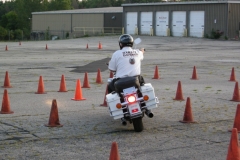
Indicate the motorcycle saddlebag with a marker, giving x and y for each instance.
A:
(112, 100)
(147, 89)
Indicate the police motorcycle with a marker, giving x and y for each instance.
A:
(131, 100)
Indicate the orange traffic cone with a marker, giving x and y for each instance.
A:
(111, 74)
(188, 117)
(179, 95)
(236, 96)
(87, 46)
(46, 47)
(5, 104)
(7, 81)
(6, 48)
(99, 46)
(85, 82)
(104, 101)
(156, 74)
(232, 77)
(41, 86)
(233, 148)
(54, 119)
(62, 87)
(194, 74)
(236, 123)
(114, 155)
(78, 92)
(99, 77)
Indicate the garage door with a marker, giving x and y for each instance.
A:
(178, 23)
(131, 22)
(162, 23)
(196, 23)
(146, 23)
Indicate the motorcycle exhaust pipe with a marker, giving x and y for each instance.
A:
(124, 122)
(149, 113)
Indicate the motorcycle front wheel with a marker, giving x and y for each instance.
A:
(137, 124)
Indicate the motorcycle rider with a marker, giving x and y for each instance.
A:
(126, 62)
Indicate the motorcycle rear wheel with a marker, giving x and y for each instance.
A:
(137, 124)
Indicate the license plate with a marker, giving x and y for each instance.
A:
(134, 108)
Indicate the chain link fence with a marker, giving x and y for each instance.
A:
(49, 35)
(76, 33)
(96, 31)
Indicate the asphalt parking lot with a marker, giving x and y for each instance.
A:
(88, 131)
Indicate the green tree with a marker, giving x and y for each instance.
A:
(101, 3)
(60, 5)
(24, 12)
(24, 9)
(83, 4)
(75, 4)
(3, 33)
(18, 34)
(117, 3)
(45, 5)
(6, 7)
(10, 20)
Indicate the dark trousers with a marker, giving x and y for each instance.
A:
(111, 87)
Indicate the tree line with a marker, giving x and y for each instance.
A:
(15, 15)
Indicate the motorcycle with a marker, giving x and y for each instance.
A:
(131, 100)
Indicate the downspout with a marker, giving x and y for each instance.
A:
(71, 23)
(227, 19)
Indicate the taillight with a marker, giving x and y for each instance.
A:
(131, 99)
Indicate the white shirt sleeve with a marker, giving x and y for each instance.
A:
(140, 53)
(113, 62)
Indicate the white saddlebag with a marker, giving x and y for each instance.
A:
(147, 89)
(112, 100)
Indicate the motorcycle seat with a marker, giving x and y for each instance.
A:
(126, 83)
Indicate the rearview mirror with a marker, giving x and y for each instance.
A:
(137, 41)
